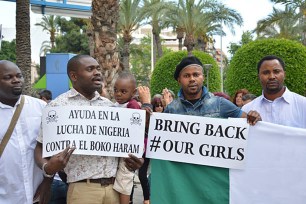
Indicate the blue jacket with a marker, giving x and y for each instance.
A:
(208, 106)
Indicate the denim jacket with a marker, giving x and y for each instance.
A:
(208, 106)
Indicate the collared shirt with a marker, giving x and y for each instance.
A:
(208, 106)
(19, 175)
(82, 167)
(288, 110)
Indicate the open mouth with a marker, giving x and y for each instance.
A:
(97, 81)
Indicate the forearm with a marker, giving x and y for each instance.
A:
(38, 155)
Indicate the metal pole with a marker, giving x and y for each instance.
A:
(207, 80)
(207, 68)
(152, 51)
(0, 36)
(221, 63)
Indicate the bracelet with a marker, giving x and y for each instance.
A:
(44, 172)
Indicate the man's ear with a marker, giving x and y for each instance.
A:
(178, 81)
(72, 76)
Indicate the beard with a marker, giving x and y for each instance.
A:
(274, 89)
(17, 92)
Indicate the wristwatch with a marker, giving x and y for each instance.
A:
(44, 172)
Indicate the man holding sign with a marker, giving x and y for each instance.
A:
(277, 104)
(189, 183)
(90, 177)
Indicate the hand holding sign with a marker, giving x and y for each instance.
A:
(253, 117)
(59, 161)
(133, 163)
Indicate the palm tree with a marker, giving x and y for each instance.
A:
(50, 24)
(105, 15)
(180, 34)
(280, 24)
(23, 42)
(300, 5)
(129, 21)
(45, 48)
(188, 17)
(157, 11)
(203, 19)
(224, 15)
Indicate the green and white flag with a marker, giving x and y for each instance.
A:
(274, 173)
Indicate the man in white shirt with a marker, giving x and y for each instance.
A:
(277, 104)
(19, 175)
(90, 177)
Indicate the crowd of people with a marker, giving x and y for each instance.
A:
(27, 177)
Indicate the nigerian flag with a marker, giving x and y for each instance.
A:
(275, 173)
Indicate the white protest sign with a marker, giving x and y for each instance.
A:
(198, 140)
(93, 130)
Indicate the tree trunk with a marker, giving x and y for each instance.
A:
(180, 35)
(23, 43)
(91, 42)
(303, 10)
(157, 41)
(158, 45)
(189, 43)
(126, 55)
(105, 14)
(180, 43)
(154, 52)
(52, 39)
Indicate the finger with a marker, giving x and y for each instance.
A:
(253, 117)
(65, 151)
(67, 157)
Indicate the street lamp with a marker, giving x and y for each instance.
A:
(207, 67)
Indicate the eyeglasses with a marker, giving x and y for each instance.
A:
(158, 105)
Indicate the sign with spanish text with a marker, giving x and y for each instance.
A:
(198, 140)
(93, 130)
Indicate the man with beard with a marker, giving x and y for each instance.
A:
(90, 177)
(19, 175)
(277, 104)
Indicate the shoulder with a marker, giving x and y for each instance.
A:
(253, 105)
(106, 101)
(34, 101)
(299, 97)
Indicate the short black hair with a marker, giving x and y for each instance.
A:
(270, 57)
(74, 62)
(47, 94)
(127, 75)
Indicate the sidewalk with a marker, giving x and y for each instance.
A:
(138, 196)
